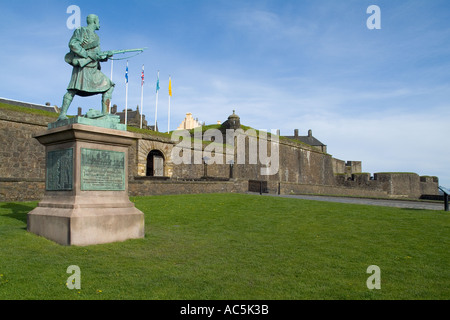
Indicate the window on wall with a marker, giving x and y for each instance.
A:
(155, 164)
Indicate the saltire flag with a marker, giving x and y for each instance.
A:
(170, 87)
(126, 74)
(142, 76)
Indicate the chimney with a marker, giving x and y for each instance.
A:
(80, 111)
(309, 133)
(296, 133)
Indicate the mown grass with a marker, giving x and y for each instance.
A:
(28, 110)
(148, 132)
(233, 246)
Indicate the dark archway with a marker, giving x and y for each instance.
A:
(155, 164)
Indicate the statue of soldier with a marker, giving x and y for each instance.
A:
(85, 57)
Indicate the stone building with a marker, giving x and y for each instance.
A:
(154, 166)
(133, 118)
(233, 122)
(309, 140)
(189, 123)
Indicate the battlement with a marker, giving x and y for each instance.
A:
(302, 168)
(395, 184)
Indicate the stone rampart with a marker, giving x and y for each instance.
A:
(145, 187)
(22, 158)
(393, 184)
(301, 168)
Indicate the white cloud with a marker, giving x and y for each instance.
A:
(390, 141)
(389, 138)
(256, 20)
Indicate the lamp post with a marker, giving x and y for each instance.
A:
(231, 162)
(446, 202)
(446, 192)
(205, 167)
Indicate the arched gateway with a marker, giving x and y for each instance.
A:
(155, 164)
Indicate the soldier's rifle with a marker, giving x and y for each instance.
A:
(82, 62)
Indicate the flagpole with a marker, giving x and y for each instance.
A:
(126, 104)
(168, 121)
(170, 94)
(126, 96)
(142, 93)
(156, 108)
(112, 68)
(142, 101)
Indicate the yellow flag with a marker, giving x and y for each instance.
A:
(170, 87)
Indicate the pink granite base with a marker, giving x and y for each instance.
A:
(80, 217)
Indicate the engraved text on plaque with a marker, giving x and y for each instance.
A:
(102, 170)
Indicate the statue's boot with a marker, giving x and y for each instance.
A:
(106, 100)
(67, 100)
(105, 105)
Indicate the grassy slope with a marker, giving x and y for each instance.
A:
(131, 128)
(28, 110)
(233, 246)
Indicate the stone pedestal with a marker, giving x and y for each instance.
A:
(86, 199)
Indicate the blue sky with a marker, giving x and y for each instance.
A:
(377, 96)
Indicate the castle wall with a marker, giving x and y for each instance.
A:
(295, 188)
(22, 158)
(143, 187)
(429, 185)
(405, 185)
(393, 184)
(301, 168)
(348, 168)
(295, 164)
(338, 166)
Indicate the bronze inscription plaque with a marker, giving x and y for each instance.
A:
(102, 170)
(59, 170)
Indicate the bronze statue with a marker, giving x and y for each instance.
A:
(85, 56)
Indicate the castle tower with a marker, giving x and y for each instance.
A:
(234, 122)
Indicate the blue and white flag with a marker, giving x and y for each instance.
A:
(126, 74)
(157, 83)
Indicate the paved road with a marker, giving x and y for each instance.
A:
(376, 202)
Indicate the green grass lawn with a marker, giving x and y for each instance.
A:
(233, 246)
